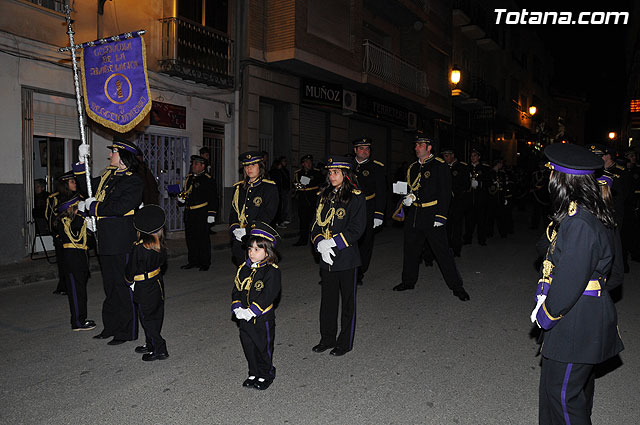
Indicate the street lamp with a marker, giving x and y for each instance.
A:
(612, 135)
(455, 75)
(532, 110)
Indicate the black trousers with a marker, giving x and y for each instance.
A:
(75, 274)
(336, 286)
(455, 223)
(238, 253)
(436, 237)
(566, 393)
(196, 233)
(62, 281)
(149, 296)
(306, 209)
(119, 315)
(365, 245)
(257, 343)
(476, 217)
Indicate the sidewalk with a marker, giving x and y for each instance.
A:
(29, 271)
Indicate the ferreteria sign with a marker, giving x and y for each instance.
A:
(115, 83)
(382, 110)
(319, 93)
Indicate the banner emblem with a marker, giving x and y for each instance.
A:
(115, 83)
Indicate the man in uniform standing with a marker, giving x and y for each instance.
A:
(200, 200)
(427, 207)
(307, 182)
(476, 216)
(372, 182)
(461, 189)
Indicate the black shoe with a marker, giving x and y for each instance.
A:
(86, 326)
(466, 242)
(116, 341)
(262, 384)
(58, 292)
(300, 243)
(144, 349)
(188, 266)
(338, 352)
(456, 253)
(359, 282)
(483, 243)
(462, 294)
(321, 348)
(402, 287)
(150, 357)
(101, 336)
(203, 268)
(428, 263)
(249, 381)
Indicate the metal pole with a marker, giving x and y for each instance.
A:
(79, 104)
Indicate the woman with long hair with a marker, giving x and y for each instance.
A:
(254, 199)
(574, 308)
(341, 217)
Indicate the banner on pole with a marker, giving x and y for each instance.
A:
(115, 83)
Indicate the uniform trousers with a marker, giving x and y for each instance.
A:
(196, 232)
(119, 315)
(257, 343)
(75, 274)
(365, 245)
(238, 254)
(306, 209)
(62, 281)
(149, 296)
(455, 222)
(436, 237)
(566, 393)
(476, 217)
(336, 286)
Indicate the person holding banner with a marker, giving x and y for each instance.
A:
(118, 192)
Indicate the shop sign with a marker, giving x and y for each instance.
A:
(382, 110)
(320, 93)
(168, 115)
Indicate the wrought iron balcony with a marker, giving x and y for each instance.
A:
(195, 52)
(388, 67)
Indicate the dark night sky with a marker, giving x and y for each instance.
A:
(589, 60)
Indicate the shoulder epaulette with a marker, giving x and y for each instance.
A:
(53, 195)
(138, 242)
(275, 266)
(356, 191)
(378, 162)
(208, 175)
(486, 164)
(620, 167)
(238, 183)
(317, 169)
(297, 170)
(128, 173)
(463, 163)
(268, 181)
(439, 159)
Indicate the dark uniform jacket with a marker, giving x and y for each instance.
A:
(619, 189)
(201, 193)
(460, 178)
(256, 288)
(144, 264)
(583, 262)
(311, 188)
(372, 182)
(430, 182)
(118, 193)
(345, 224)
(257, 202)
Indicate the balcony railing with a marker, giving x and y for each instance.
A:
(195, 52)
(390, 68)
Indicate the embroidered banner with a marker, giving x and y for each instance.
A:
(115, 83)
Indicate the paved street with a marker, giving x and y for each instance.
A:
(420, 357)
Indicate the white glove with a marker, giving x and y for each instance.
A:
(236, 312)
(326, 257)
(534, 313)
(239, 233)
(377, 222)
(89, 221)
(437, 224)
(132, 286)
(211, 219)
(325, 245)
(248, 315)
(81, 206)
(83, 152)
(408, 200)
(474, 183)
(181, 201)
(88, 202)
(141, 205)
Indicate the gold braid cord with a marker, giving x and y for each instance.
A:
(416, 183)
(242, 218)
(328, 220)
(241, 285)
(79, 241)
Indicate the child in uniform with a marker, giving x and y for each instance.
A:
(71, 230)
(144, 275)
(257, 285)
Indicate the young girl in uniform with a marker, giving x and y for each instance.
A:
(341, 217)
(257, 285)
(144, 275)
(71, 230)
